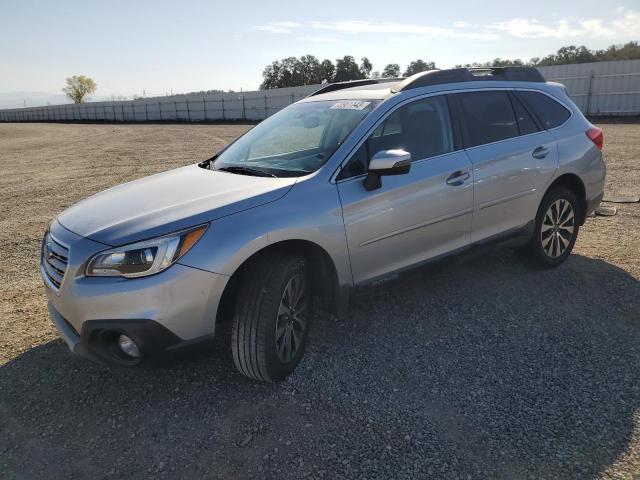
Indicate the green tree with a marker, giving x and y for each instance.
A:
(78, 87)
(419, 66)
(310, 70)
(271, 75)
(391, 71)
(293, 72)
(327, 71)
(365, 67)
(347, 69)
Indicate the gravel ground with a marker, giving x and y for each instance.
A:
(482, 369)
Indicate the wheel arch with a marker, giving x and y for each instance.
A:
(324, 278)
(574, 183)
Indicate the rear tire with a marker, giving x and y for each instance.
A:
(555, 230)
(271, 317)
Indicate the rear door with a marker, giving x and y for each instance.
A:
(513, 160)
(414, 216)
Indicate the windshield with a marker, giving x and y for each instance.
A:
(295, 141)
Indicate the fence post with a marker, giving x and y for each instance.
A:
(175, 109)
(591, 75)
(244, 110)
(188, 111)
(222, 107)
(204, 109)
(266, 108)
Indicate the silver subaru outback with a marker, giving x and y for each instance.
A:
(356, 183)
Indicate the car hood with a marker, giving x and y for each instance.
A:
(167, 202)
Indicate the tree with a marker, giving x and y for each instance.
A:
(327, 71)
(310, 70)
(293, 72)
(365, 67)
(271, 75)
(419, 66)
(391, 71)
(79, 87)
(347, 69)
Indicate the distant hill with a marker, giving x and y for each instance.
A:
(39, 99)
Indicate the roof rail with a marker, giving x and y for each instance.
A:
(456, 75)
(332, 87)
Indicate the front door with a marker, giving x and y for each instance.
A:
(412, 217)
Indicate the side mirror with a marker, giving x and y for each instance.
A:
(386, 162)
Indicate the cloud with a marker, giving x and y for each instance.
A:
(277, 27)
(430, 31)
(626, 25)
(321, 39)
(525, 28)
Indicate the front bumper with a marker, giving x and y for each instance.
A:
(161, 313)
(98, 340)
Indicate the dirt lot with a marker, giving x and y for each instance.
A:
(480, 370)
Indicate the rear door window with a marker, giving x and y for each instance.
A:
(551, 113)
(488, 117)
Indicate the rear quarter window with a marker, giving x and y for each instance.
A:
(550, 112)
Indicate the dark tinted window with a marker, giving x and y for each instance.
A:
(422, 128)
(526, 124)
(550, 112)
(488, 117)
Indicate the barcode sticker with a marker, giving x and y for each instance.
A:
(349, 105)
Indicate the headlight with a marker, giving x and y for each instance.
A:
(144, 258)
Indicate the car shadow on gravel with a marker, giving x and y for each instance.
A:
(483, 369)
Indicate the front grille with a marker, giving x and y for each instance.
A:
(55, 257)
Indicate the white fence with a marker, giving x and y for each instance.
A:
(251, 106)
(602, 88)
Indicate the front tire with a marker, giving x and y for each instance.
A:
(555, 230)
(271, 317)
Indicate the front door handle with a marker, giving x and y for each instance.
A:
(540, 153)
(457, 178)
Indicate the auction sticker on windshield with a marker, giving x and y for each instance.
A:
(349, 105)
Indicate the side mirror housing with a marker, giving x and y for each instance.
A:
(386, 162)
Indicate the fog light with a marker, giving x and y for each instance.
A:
(128, 346)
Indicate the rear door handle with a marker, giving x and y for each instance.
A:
(540, 153)
(457, 178)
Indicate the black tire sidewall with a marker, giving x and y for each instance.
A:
(536, 242)
(277, 370)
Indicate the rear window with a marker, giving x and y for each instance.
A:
(488, 117)
(550, 112)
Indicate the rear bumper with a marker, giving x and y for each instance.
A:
(592, 204)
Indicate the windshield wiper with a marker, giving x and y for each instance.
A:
(246, 171)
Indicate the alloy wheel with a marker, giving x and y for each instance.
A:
(558, 227)
(291, 323)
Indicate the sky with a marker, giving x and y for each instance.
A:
(155, 47)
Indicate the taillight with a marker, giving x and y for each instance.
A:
(596, 136)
